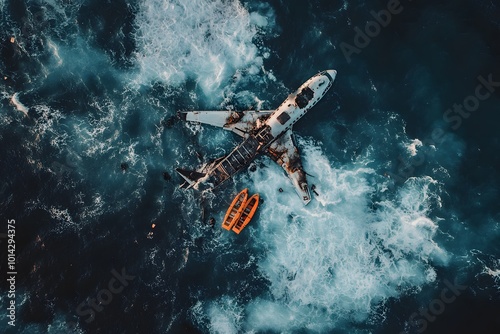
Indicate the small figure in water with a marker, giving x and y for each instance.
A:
(313, 188)
(211, 221)
(124, 166)
(166, 176)
(280, 190)
(150, 234)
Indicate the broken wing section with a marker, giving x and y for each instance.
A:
(239, 122)
(287, 155)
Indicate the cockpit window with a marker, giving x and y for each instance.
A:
(304, 97)
(283, 118)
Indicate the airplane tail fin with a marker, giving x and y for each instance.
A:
(191, 177)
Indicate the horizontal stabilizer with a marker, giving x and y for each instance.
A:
(190, 176)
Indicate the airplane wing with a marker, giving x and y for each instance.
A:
(239, 122)
(287, 155)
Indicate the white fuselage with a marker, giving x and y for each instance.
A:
(265, 132)
(289, 112)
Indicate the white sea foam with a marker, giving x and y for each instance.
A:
(206, 41)
(490, 267)
(18, 105)
(55, 52)
(223, 315)
(339, 258)
(412, 147)
(60, 324)
(495, 273)
(46, 121)
(62, 218)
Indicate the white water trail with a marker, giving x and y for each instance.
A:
(205, 41)
(340, 258)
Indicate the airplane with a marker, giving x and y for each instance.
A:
(264, 132)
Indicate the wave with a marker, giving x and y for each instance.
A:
(340, 258)
(208, 42)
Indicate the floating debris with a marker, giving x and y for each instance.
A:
(313, 188)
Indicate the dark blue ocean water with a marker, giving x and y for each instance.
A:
(403, 237)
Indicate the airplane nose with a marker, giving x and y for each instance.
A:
(332, 73)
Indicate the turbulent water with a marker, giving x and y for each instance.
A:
(402, 236)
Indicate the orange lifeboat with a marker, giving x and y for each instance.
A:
(235, 209)
(247, 212)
